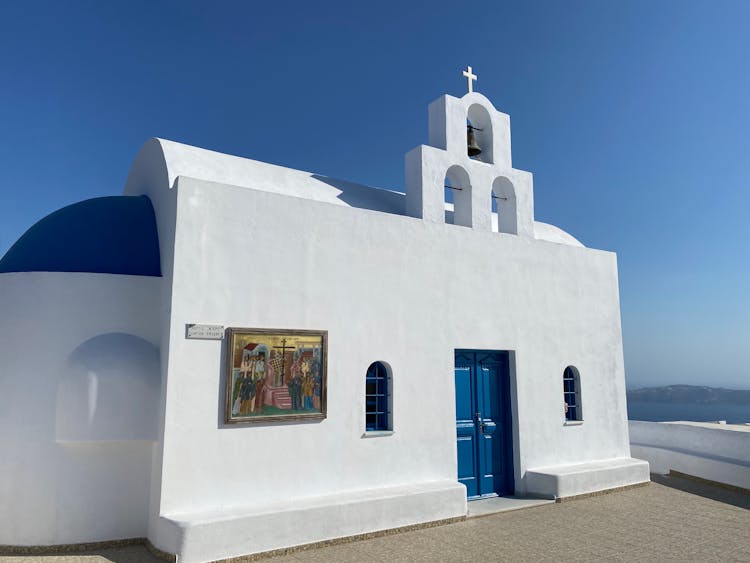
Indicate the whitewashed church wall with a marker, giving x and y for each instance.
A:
(149, 176)
(160, 162)
(64, 478)
(397, 289)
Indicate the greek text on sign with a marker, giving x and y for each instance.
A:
(205, 332)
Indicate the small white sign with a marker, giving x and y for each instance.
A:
(204, 332)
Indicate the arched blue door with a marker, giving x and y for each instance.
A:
(483, 423)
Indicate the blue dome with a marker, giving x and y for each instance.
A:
(106, 235)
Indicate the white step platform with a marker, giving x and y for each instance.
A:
(583, 478)
(495, 505)
(235, 531)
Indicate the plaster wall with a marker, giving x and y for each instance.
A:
(390, 288)
(425, 172)
(64, 478)
(720, 454)
(160, 162)
(150, 176)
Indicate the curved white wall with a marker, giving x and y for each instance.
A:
(61, 332)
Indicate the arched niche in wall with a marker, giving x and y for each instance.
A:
(458, 192)
(504, 200)
(109, 390)
(479, 118)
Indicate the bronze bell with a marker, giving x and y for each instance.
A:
(471, 143)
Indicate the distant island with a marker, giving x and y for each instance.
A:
(694, 394)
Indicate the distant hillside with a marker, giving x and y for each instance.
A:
(690, 394)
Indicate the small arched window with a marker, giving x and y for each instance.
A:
(378, 398)
(572, 394)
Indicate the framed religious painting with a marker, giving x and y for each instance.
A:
(275, 375)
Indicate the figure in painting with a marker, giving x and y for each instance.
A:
(236, 399)
(299, 389)
(250, 368)
(317, 381)
(247, 392)
(307, 392)
(294, 385)
(291, 383)
(316, 392)
(307, 385)
(259, 379)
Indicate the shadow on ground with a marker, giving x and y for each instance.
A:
(703, 489)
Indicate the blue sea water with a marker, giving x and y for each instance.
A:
(657, 412)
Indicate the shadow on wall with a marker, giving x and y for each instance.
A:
(365, 197)
(109, 390)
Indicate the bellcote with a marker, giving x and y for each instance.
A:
(476, 182)
(449, 117)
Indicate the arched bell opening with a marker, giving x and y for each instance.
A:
(479, 134)
(457, 196)
(504, 208)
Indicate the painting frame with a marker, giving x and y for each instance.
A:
(242, 344)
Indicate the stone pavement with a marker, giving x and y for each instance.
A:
(673, 519)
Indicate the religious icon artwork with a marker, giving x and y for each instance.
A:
(275, 375)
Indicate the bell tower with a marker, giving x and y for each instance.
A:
(468, 152)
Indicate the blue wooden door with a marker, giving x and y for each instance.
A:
(483, 432)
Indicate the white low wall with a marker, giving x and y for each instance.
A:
(718, 453)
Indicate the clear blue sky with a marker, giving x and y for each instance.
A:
(633, 116)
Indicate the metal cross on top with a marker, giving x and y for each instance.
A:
(470, 77)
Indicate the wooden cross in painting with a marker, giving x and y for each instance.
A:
(283, 349)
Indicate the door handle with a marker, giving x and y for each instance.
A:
(480, 421)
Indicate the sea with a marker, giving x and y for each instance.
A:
(699, 412)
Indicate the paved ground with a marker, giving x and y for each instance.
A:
(672, 519)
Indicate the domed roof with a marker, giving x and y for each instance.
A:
(108, 235)
(545, 231)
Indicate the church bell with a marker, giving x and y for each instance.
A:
(471, 143)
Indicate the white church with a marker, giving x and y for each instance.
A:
(445, 352)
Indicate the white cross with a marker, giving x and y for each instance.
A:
(470, 77)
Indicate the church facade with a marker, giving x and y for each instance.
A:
(444, 352)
